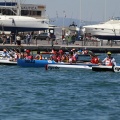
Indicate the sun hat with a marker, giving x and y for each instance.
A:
(109, 53)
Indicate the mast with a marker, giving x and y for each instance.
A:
(105, 11)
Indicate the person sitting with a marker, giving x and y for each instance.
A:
(5, 54)
(28, 56)
(38, 56)
(85, 51)
(94, 58)
(109, 60)
(72, 58)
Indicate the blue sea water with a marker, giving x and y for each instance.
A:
(37, 94)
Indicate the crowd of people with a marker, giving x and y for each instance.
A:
(59, 56)
(13, 38)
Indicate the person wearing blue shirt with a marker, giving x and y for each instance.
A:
(5, 53)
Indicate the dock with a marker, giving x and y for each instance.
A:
(58, 44)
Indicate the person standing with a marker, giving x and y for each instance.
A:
(28, 38)
(109, 60)
(4, 38)
(18, 40)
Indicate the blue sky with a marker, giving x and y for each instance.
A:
(91, 10)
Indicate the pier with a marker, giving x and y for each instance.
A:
(45, 45)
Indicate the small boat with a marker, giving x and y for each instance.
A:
(34, 63)
(93, 67)
(7, 61)
(58, 66)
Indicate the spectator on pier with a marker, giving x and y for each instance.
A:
(18, 40)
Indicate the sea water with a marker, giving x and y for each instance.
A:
(37, 94)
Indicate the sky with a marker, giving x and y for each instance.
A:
(88, 10)
(84, 10)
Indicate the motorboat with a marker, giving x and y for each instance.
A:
(109, 30)
(16, 23)
(7, 61)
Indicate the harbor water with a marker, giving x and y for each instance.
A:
(37, 94)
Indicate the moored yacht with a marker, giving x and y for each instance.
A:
(19, 17)
(109, 30)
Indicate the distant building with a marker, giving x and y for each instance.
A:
(13, 8)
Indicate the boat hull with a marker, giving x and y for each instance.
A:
(102, 68)
(6, 61)
(34, 63)
(69, 66)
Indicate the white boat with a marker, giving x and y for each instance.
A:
(17, 23)
(58, 66)
(93, 67)
(6, 61)
(109, 30)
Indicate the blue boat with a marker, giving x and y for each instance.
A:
(34, 63)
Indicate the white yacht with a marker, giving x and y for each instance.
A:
(22, 23)
(19, 17)
(109, 30)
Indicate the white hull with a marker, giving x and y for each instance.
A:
(108, 30)
(22, 23)
(67, 66)
(82, 66)
(6, 61)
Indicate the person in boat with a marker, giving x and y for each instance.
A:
(27, 55)
(85, 52)
(72, 58)
(75, 54)
(38, 56)
(16, 55)
(54, 57)
(5, 53)
(94, 58)
(109, 60)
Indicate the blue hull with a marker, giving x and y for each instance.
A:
(34, 63)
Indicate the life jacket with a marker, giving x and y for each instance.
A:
(108, 62)
(95, 60)
(29, 57)
(73, 58)
(61, 51)
(58, 59)
(63, 58)
(40, 57)
(70, 59)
